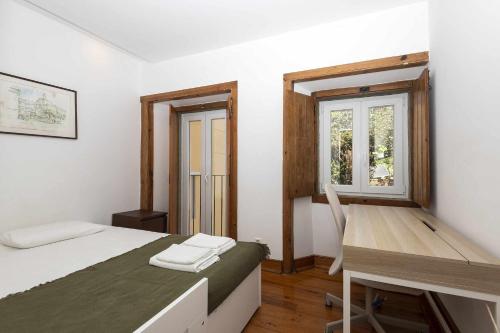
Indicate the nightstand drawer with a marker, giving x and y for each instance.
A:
(156, 225)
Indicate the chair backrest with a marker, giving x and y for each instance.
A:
(339, 218)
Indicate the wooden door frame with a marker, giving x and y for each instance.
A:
(147, 147)
(289, 79)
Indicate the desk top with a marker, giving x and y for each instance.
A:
(394, 229)
(474, 254)
(409, 243)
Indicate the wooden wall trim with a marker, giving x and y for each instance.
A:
(232, 159)
(147, 147)
(301, 264)
(209, 90)
(289, 79)
(273, 266)
(353, 92)
(323, 262)
(287, 201)
(362, 67)
(347, 200)
(202, 107)
(304, 263)
(173, 177)
(147, 156)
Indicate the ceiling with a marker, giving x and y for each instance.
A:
(157, 30)
(360, 80)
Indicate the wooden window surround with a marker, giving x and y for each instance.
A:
(147, 146)
(300, 169)
(357, 92)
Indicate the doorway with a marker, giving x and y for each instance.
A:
(203, 173)
(220, 96)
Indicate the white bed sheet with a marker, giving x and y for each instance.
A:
(23, 269)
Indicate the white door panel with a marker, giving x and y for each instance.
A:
(203, 173)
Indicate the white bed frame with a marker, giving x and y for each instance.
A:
(188, 313)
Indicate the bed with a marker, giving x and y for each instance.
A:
(102, 282)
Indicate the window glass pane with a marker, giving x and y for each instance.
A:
(381, 145)
(341, 147)
(195, 144)
(219, 226)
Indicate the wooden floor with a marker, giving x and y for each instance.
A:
(295, 303)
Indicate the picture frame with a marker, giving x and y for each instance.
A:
(29, 107)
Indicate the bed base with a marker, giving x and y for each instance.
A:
(188, 313)
(238, 308)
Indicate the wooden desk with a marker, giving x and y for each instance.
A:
(408, 247)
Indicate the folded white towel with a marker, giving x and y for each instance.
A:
(227, 247)
(217, 243)
(184, 255)
(195, 268)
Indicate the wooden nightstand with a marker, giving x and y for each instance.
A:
(141, 219)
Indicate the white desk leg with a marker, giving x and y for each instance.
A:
(497, 315)
(347, 302)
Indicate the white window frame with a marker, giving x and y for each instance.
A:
(360, 178)
(326, 108)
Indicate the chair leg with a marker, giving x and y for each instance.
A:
(338, 324)
(331, 300)
(402, 323)
(375, 324)
(368, 300)
(374, 319)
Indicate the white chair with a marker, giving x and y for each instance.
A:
(367, 313)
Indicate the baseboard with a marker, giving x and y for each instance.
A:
(273, 266)
(323, 262)
(300, 264)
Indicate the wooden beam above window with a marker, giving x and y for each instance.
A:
(214, 89)
(222, 105)
(352, 92)
(362, 67)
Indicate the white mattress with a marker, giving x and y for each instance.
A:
(23, 269)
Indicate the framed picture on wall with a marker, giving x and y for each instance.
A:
(35, 108)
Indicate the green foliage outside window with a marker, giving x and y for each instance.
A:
(341, 147)
(381, 145)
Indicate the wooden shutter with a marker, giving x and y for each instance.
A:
(300, 145)
(420, 141)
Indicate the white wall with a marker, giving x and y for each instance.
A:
(46, 179)
(466, 129)
(259, 66)
(303, 228)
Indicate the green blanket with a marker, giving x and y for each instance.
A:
(122, 293)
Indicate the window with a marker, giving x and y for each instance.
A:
(364, 145)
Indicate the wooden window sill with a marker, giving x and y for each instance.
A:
(346, 200)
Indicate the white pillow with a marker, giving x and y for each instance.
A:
(26, 238)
